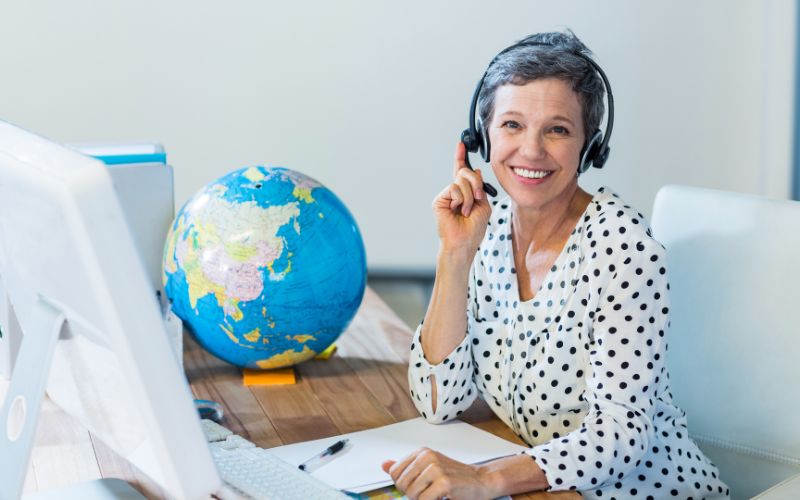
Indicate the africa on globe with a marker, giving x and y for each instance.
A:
(265, 266)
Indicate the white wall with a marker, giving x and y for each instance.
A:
(369, 97)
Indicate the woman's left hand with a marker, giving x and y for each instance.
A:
(427, 474)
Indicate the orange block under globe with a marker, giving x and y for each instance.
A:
(281, 376)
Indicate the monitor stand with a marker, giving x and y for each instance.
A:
(100, 489)
(20, 413)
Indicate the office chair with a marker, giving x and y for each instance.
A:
(734, 343)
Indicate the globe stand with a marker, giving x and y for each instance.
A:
(327, 353)
(280, 376)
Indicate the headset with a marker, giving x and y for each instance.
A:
(594, 153)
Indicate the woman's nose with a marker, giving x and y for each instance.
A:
(532, 145)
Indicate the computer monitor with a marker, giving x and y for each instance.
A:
(79, 292)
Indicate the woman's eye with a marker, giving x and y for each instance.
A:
(558, 129)
(510, 124)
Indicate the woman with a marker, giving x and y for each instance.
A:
(566, 301)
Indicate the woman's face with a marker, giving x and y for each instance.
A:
(536, 135)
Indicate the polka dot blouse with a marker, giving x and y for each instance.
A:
(578, 372)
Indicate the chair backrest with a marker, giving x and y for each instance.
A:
(734, 347)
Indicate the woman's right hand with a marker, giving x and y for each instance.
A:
(462, 209)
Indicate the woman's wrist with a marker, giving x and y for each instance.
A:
(455, 256)
(492, 478)
(512, 475)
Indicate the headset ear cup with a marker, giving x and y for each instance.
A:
(601, 158)
(589, 153)
(470, 142)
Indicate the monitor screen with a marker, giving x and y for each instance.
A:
(78, 289)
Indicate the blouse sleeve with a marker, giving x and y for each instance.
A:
(626, 359)
(455, 387)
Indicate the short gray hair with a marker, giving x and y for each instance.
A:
(556, 57)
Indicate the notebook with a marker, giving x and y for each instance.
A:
(357, 468)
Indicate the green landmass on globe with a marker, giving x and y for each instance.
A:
(265, 266)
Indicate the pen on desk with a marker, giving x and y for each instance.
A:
(328, 452)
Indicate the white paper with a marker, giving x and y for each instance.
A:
(357, 468)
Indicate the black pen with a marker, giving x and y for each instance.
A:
(328, 452)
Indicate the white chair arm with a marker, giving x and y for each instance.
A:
(786, 490)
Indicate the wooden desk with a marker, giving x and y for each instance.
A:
(362, 386)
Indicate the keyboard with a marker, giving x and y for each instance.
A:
(257, 473)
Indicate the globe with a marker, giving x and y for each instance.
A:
(265, 266)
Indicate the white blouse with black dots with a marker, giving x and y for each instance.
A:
(578, 371)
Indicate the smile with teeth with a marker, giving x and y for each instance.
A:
(532, 174)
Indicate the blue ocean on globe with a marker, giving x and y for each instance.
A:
(265, 266)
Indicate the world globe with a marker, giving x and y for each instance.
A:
(265, 266)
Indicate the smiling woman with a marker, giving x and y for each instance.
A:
(551, 304)
(537, 136)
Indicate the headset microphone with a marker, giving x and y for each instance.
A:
(470, 145)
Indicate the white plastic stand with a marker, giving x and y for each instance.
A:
(99, 489)
(21, 410)
(20, 413)
(10, 334)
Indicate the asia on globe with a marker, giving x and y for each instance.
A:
(265, 266)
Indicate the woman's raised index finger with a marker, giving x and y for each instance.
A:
(460, 158)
